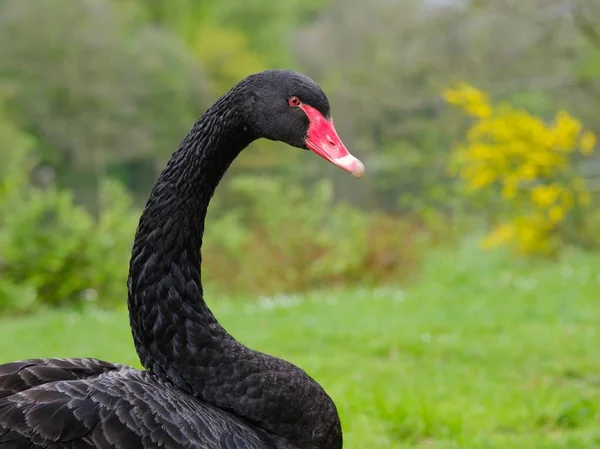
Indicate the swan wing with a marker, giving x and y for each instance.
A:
(87, 403)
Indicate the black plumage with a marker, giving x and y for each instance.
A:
(201, 388)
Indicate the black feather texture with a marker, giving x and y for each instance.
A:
(201, 388)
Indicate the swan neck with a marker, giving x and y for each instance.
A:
(176, 335)
(171, 324)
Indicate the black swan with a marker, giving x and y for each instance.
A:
(201, 388)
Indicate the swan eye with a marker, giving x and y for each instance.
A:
(294, 101)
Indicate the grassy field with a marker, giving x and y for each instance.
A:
(478, 353)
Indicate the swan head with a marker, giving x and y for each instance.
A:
(289, 107)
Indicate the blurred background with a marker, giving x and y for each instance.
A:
(476, 121)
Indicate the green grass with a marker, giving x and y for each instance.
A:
(479, 353)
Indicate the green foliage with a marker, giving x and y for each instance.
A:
(221, 47)
(94, 86)
(58, 254)
(286, 238)
(226, 55)
(272, 40)
(52, 251)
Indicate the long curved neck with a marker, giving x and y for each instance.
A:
(176, 335)
(170, 321)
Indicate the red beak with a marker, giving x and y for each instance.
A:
(323, 140)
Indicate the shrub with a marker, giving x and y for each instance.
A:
(530, 166)
(52, 251)
(286, 239)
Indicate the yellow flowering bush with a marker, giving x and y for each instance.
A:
(528, 163)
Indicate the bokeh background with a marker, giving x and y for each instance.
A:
(449, 299)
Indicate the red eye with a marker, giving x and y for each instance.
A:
(294, 101)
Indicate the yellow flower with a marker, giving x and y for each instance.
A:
(479, 151)
(516, 149)
(587, 143)
(481, 179)
(528, 235)
(545, 195)
(566, 128)
(452, 96)
(499, 236)
(481, 110)
(529, 238)
(556, 214)
(473, 101)
(509, 191)
(528, 172)
(533, 234)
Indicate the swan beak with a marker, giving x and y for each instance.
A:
(323, 140)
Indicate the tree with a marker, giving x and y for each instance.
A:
(95, 87)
